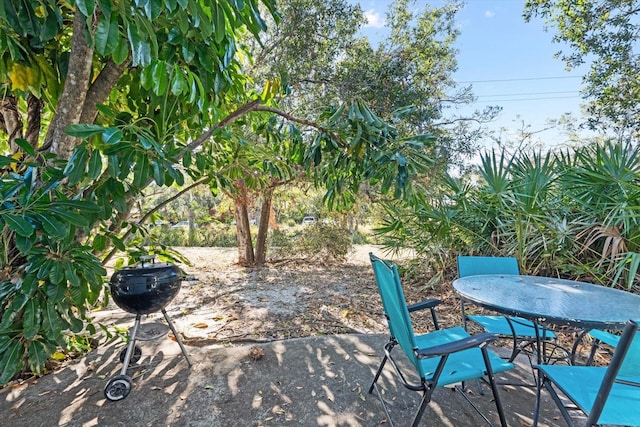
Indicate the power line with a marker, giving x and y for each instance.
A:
(526, 99)
(521, 79)
(529, 93)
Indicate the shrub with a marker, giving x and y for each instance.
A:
(316, 241)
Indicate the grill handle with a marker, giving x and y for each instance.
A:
(147, 258)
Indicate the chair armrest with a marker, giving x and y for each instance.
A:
(634, 383)
(455, 346)
(428, 303)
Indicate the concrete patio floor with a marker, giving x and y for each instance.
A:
(318, 381)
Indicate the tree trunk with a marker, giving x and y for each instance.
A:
(263, 227)
(11, 120)
(34, 118)
(69, 108)
(246, 256)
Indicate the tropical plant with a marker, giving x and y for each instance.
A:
(602, 183)
(48, 276)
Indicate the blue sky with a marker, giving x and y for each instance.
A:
(507, 61)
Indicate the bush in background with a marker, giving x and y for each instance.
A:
(328, 242)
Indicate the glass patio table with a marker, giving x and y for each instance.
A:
(546, 300)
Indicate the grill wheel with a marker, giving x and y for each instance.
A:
(117, 388)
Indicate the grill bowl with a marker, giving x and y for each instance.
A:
(145, 287)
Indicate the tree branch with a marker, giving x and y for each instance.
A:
(127, 233)
(309, 123)
(241, 111)
(101, 88)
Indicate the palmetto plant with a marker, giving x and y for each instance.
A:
(571, 213)
(603, 183)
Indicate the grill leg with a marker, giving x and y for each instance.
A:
(130, 346)
(175, 334)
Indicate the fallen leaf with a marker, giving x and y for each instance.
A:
(201, 325)
(256, 353)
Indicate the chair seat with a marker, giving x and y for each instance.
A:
(582, 384)
(465, 362)
(605, 337)
(500, 325)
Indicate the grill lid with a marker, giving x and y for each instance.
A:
(147, 267)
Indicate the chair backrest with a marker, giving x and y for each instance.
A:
(476, 265)
(623, 365)
(631, 364)
(395, 306)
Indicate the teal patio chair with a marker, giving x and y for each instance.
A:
(601, 337)
(442, 357)
(523, 332)
(606, 395)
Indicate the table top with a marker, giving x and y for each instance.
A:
(550, 300)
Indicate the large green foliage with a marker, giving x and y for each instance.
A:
(571, 213)
(165, 96)
(48, 277)
(604, 35)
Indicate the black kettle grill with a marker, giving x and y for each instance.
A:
(143, 288)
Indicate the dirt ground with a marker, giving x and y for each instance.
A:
(223, 303)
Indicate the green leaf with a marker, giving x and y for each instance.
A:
(160, 79)
(76, 165)
(70, 273)
(83, 130)
(56, 274)
(95, 165)
(52, 226)
(76, 325)
(11, 361)
(107, 36)
(31, 319)
(158, 171)
(112, 135)
(51, 322)
(117, 243)
(19, 225)
(121, 52)
(38, 356)
(13, 310)
(99, 243)
(219, 23)
(141, 49)
(29, 285)
(106, 111)
(113, 166)
(81, 205)
(141, 172)
(179, 82)
(25, 146)
(71, 217)
(87, 7)
(55, 292)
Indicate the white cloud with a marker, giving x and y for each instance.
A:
(374, 19)
(489, 13)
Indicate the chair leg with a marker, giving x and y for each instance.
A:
(592, 352)
(426, 398)
(536, 411)
(494, 386)
(375, 378)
